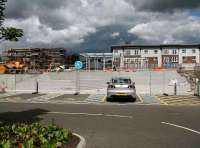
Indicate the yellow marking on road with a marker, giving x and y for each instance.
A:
(171, 101)
(179, 100)
(162, 102)
(140, 98)
(191, 101)
(104, 99)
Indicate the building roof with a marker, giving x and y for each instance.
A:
(129, 46)
(96, 55)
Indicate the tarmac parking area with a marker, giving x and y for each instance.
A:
(62, 98)
(115, 126)
(99, 99)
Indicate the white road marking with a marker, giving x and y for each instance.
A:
(88, 114)
(119, 116)
(95, 98)
(3, 95)
(182, 127)
(44, 98)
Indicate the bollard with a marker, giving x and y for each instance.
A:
(77, 83)
(175, 89)
(36, 88)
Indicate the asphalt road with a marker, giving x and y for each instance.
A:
(116, 126)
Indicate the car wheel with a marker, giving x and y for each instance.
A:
(133, 99)
(109, 99)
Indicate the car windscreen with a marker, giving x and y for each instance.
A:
(121, 81)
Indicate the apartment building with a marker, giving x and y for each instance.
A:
(155, 56)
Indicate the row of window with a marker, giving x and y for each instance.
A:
(166, 51)
(166, 60)
(173, 59)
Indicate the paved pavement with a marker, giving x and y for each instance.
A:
(116, 126)
(179, 100)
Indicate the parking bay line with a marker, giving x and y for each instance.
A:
(182, 127)
(140, 98)
(89, 114)
(163, 102)
(104, 98)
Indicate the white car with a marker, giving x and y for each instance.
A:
(121, 87)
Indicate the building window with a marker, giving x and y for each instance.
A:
(155, 59)
(174, 59)
(136, 52)
(166, 51)
(183, 51)
(174, 51)
(155, 51)
(127, 52)
(184, 59)
(146, 51)
(189, 59)
(193, 50)
(193, 59)
(127, 60)
(115, 51)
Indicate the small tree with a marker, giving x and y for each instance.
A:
(8, 33)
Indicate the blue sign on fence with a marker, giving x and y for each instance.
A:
(78, 65)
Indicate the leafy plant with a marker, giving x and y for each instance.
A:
(34, 135)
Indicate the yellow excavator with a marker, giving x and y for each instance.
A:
(12, 67)
(3, 68)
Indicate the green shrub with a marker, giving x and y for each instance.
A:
(33, 135)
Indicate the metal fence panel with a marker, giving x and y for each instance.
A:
(147, 82)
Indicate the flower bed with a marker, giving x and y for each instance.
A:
(33, 135)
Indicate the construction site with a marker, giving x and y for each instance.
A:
(32, 60)
(38, 68)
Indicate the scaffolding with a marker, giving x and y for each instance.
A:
(36, 58)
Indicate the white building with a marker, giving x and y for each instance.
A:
(155, 56)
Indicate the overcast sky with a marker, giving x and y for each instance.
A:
(95, 25)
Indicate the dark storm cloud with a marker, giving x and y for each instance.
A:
(95, 25)
(46, 10)
(103, 39)
(165, 5)
(26, 8)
